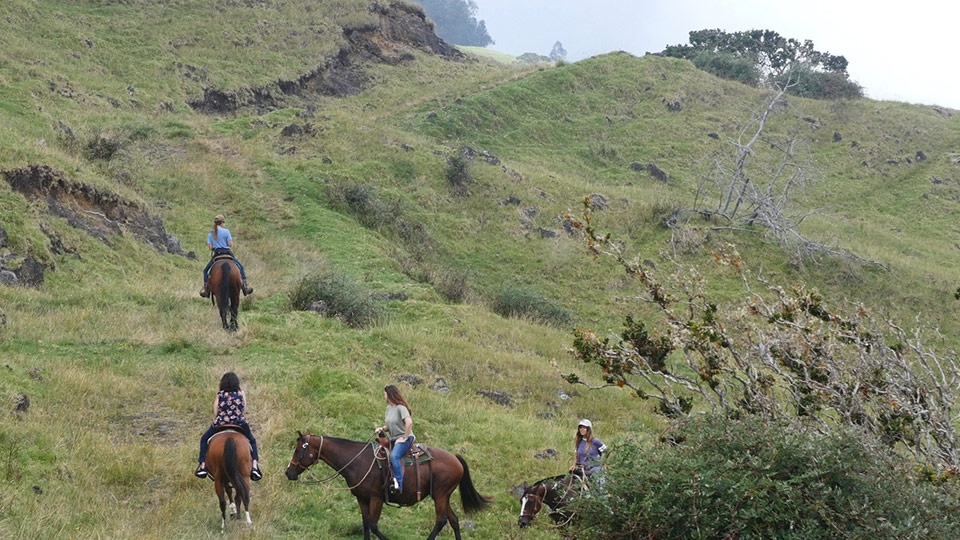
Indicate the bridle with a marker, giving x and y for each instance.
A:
(297, 458)
(534, 497)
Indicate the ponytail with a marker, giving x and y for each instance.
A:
(217, 222)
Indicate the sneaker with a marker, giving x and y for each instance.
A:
(394, 485)
(201, 472)
(247, 290)
(255, 474)
(205, 293)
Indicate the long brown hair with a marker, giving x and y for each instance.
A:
(217, 222)
(578, 438)
(395, 397)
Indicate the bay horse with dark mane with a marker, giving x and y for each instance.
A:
(555, 492)
(229, 462)
(363, 466)
(225, 284)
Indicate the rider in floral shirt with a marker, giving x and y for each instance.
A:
(228, 411)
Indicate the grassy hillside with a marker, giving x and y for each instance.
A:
(120, 358)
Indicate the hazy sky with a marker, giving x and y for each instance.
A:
(902, 51)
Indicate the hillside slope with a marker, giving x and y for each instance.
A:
(324, 132)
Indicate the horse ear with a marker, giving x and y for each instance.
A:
(299, 435)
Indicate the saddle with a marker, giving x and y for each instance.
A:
(228, 428)
(416, 455)
(223, 256)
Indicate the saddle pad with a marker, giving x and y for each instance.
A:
(221, 432)
(418, 452)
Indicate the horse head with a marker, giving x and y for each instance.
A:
(303, 456)
(530, 503)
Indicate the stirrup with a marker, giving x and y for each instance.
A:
(246, 289)
(204, 293)
(201, 472)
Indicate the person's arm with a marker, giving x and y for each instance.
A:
(230, 244)
(216, 406)
(407, 428)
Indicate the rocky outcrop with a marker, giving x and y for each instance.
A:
(98, 212)
(400, 29)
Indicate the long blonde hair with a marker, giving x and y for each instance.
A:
(217, 222)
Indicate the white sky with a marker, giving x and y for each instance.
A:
(897, 50)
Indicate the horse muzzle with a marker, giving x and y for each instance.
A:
(292, 473)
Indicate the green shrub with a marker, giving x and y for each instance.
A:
(722, 478)
(343, 298)
(821, 85)
(515, 301)
(452, 284)
(458, 174)
(369, 208)
(728, 66)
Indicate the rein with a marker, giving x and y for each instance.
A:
(338, 471)
(540, 496)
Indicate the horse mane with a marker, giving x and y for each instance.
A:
(553, 479)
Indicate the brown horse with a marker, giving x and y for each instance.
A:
(225, 285)
(229, 462)
(555, 492)
(365, 471)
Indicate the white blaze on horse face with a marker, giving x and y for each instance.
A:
(523, 504)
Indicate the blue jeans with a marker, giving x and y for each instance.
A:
(244, 428)
(396, 458)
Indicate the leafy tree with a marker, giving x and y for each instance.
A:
(774, 57)
(781, 353)
(558, 53)
(456, 21)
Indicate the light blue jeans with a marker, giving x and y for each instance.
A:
(396, 458)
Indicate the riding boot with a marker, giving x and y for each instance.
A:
(204, 292)
(246, 288)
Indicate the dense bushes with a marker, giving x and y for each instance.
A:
(721, 478)
(515, 301)
(336, 295)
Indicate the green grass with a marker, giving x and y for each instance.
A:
(120, 357)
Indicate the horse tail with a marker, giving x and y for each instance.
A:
(471, 500)
(232, 468)
(223, 294)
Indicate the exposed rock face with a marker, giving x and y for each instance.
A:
(100, 213)
(400, 29)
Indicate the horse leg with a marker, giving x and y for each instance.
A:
(444, 514)
(454, 521)
(230, 498)
(218, 487)
(223, 318)
(233, 317)
(370, 510)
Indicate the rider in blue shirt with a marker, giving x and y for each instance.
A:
(589, 450)
(220, 242)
